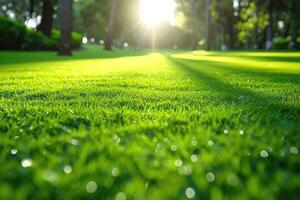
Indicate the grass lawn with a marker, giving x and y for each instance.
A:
(144, 125)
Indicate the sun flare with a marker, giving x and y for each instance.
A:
(154, 11)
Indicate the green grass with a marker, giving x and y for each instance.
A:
(150, 125)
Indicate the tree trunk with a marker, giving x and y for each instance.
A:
(194, 25)
(216, 37)
(31, 7)
(66, 12)
(287, 30)
(247, 43)
(47, 18)
(207, 25)
(110, 29)
(223, 45)
(231, 32)
(255, 33)
(269, 36)
(141, 37)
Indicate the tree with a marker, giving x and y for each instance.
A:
(91, 18)
(221, 10)
(207, 25)
(47, 17)
(194, 6)
(65, 15)
(110, 28)
(269, 31)
(252, 22)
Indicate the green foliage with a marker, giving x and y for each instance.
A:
(15, 36)
(12, 34)
(251, 19)
(76, 38)
(149, 125)
(281, 43)
(92, 17)
(37, 41)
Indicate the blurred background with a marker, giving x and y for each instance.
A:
(138, 24)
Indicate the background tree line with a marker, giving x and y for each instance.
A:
(208, 24)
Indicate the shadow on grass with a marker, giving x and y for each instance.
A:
(90, 52)
(230, 94)
(262, 57)
(241, 70)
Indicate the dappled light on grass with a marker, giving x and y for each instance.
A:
(131, 125)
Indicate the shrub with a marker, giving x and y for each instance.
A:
(12, 34)
(76, 38)
(297, 45)
(281, 43)
(16, 36)
(37, 41)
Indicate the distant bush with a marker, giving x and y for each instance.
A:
(76, 38)
(281, 43)
(286, 43)
(16, 36)
(37, 41)
(12, 34)
(297, 45)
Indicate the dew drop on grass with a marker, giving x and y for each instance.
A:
(241, 132)
(27, 162)
(225, 131)
(67, 169)
(115, 172)
(147, 185)
(232, 180)
(158, 146)
(190, 192)
(174, 147)
(116, 138)
(270, 149)
(294, 150)
(74, 142)
(14, 151)
(156, 163)
(185, 170)
(194, 142)
(194, 158)
(166, 140)
(121, 196)
(282, 153)
(50, 176)
(264, 154)
(210, 177)
(178, 163)
(91, 187)
(210, 143)
(71, 111)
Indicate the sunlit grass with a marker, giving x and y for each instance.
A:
(149, 125)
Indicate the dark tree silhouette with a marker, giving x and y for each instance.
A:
(65, 14)
(207, 25)
(110, 28)
(269, 31)
(47, 17)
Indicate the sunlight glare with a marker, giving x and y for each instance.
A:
(154, 11)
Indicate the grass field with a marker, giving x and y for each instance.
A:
(150, 125)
